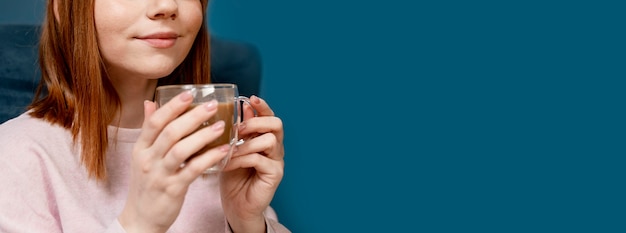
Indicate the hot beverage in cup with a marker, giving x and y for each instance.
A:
(228, 110)
(224, 113)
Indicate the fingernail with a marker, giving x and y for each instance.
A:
(185, 96)
(218, 125)
(242, 126)
(212, 105)
(225, 148)
(255, 99)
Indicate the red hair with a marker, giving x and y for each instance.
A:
(74, 91)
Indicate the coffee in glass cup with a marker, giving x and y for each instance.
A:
(228, 110)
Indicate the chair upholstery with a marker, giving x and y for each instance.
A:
(19, 71)
(231, 62)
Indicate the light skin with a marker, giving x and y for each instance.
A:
(133, 38)
(142, 41)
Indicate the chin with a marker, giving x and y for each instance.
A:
(161, 74)
(157, 72)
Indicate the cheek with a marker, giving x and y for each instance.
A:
(196, 18)
(112, 19)
(108, 39)
(192, 22)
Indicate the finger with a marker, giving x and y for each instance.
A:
(260, 163)
(248, 112)
(265, 144)
(262, 108)
(183, 126)
(191, 144)
(261, 125)
(196, 166)
(147, 136)
(154, 121)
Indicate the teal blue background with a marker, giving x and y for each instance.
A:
(442, 116)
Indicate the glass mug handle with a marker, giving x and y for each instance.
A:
(240, 100)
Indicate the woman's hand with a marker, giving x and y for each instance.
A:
(158, 183)
(251, 178)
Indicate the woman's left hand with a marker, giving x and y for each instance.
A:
(250, 179)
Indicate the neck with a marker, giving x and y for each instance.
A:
(132, 96)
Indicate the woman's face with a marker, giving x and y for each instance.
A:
(146, 38)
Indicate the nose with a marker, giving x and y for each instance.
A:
(163, 9)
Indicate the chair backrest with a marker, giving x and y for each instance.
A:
(231, 62)
(19, 71)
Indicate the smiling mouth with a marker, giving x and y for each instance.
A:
(160, 43)
(160, 40)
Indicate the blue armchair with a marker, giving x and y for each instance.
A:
(231, 62)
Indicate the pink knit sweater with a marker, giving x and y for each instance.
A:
(45, 188)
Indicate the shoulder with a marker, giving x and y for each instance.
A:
(28, 161)
(35, 152)
(25, 121)
(26, 127)
(25, 137)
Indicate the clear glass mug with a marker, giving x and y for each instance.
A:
(229, 110)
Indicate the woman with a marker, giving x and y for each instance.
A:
(93, 154)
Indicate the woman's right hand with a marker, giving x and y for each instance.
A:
(158, 184)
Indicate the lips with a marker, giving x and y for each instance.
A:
(160, 40)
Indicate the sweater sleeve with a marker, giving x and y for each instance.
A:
(26, 201)
(28, 198)
(271, 223)
(271, 220)
(115, 227)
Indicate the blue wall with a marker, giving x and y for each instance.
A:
(442, 116)
(22, 11)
